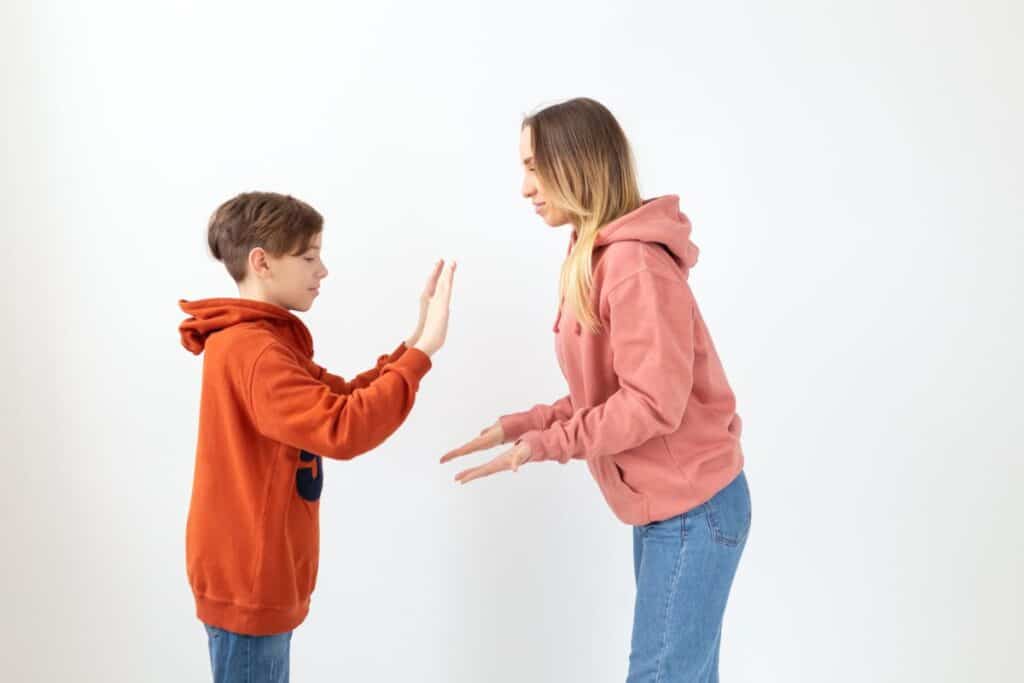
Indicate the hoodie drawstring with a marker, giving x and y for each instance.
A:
(558, 320)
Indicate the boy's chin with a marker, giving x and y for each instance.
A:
(300, 305)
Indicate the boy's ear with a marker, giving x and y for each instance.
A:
(259, 265)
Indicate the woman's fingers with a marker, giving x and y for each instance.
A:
(518, 456)
(475, 445)
(489, 437)
(493, 467)
(501, 463)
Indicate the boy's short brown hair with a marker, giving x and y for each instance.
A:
(278, 223)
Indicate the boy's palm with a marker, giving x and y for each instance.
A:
(435, 326)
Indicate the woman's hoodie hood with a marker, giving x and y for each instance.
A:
(657, 221)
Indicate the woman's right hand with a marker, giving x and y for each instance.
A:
(489, 438)
(435, 326)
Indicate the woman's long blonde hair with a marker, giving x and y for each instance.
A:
(585, 166)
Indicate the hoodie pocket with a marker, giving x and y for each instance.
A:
(622, 479)
(729, 513)
(628, 504)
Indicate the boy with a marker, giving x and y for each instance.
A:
(268, 415)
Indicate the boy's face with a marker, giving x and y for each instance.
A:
(293, 282)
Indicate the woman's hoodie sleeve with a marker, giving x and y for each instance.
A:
(539, 417)
(650, 318)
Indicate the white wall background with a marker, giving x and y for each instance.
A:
(853, 171)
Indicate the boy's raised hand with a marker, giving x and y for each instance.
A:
(435, 317)
(428, 292)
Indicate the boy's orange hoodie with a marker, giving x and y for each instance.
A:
(267, 415)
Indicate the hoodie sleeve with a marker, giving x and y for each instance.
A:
(338, 384)
(291, 406)
(539, 417)
(651, 323)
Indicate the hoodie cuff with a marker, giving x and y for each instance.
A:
(539, 449)
(515, 425)
(413, 365)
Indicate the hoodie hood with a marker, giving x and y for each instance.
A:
(210, 316)
(657, 221)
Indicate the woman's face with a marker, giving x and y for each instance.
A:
(532, 188)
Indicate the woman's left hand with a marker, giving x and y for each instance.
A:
(509, 460)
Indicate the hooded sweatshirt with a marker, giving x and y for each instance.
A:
(268, 415)
(649, 407)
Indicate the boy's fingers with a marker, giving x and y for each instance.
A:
(435, 275)
(447, 289)
(448, 276)
(443, 285)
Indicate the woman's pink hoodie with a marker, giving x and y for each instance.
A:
(649, 407)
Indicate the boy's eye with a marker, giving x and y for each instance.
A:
(310, 259)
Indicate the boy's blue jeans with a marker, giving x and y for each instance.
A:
(235, 658)
(684, 568)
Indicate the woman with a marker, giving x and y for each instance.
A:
(649, 408)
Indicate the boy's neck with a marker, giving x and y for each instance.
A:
(250, 291)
